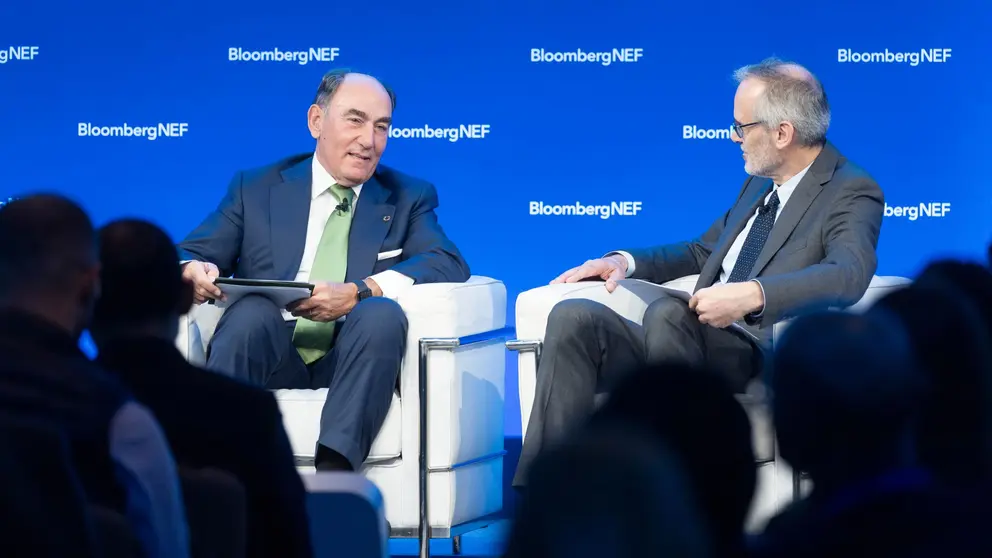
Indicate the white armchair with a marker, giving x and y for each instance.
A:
(630, 300)
(451, 388)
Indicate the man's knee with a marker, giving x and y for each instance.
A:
(382, 317)
(664, 313)
(573, 316)
(250, 312)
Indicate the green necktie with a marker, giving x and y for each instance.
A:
(313, 339)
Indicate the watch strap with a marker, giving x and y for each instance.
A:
(363, 290)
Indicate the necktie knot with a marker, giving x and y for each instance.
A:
(342, 194)
(773, 201)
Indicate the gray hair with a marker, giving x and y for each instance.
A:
(792, 94)
(332, 80)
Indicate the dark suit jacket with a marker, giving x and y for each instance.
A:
(821, 251)
(214, 421)
(45, 377)
(43, 510)
(260, 228)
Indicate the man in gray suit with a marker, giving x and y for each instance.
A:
(801, 234)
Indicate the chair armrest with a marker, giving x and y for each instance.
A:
(433, 310)
(630, 299)
(465, 383)
(347, 515)
(877, 289)
(454, 309)
(195, 330)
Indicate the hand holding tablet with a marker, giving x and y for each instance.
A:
(282, 293)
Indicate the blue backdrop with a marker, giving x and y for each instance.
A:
(648, 123)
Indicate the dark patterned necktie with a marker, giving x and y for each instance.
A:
(755, 240)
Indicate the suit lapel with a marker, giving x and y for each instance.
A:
(715, 262)
(806, 191)
(289, 215)
(369, 226)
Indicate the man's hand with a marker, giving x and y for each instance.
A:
(201, 275)
(611, 269)
(328, 302)
(722, 305)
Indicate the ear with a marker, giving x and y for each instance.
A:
(185, 301)
(315, 117)
(785, 133)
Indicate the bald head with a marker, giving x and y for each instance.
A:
(44, 237)
(796, 71)
(350, 118)
(774, 92)
(48, 259)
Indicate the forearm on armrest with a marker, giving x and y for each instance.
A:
(818, 287)
(843, 276)
(659, 264)
(664, 263)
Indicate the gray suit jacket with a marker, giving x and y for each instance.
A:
(820, 253)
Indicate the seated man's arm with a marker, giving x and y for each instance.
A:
(659, 264)
(431, 257)
(147, 471)
(218, 238)
(842, 278)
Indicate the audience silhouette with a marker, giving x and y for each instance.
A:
(49, 283)
(134, 326)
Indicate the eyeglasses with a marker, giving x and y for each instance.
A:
(739, 128)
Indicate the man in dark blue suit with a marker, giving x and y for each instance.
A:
(359, 231)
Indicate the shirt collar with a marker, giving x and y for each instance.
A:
(322, 181)
(791, 183)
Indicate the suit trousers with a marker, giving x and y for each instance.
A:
(254, 343)
(588, 348)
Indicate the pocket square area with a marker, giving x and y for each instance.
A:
(389, 254)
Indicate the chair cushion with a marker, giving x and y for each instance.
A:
(301, 409)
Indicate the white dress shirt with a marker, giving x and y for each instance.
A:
(784, 193)
(322, 203)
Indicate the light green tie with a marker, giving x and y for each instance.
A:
(313, 339)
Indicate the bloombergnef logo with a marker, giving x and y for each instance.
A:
(623, 209)
(167, 129)
(604, 57)
(301, 57)
(694, 132)
(464, 131)
(18, 53)
(914, 212)
(913, 58)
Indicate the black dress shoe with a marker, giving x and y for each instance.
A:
(330, 460)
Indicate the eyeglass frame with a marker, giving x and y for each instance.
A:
(739, 128)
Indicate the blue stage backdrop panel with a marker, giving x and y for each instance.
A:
(515, 110)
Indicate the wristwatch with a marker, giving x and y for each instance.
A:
(363, 290)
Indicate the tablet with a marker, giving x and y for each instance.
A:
(261, 283)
